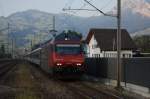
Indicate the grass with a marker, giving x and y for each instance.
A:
(26, 84)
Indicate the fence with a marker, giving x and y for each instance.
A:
(134, 70)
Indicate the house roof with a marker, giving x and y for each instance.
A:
(107, 39)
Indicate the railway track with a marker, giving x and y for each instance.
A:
(53, 88)
(82, 90)
(88, 92)
(6, 65)
(6, 68)
(30, 82)
(103, 91)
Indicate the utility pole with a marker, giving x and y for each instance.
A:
(53, 22)
(40, 38)
(31, 44)
(8, 37)
(118, 17)
(11, 42)
(53, 31)
(34, 41)
(119, 44)
(12, 47)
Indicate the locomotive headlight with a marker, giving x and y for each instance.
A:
(59, 64)
(78, 64)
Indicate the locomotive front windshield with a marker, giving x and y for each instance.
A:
(68, 49)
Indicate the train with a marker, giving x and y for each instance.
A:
(61, 55)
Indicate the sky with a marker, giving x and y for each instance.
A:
(8, 7)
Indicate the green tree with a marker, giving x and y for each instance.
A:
(2, 49)
(143, 42)
(73, 32)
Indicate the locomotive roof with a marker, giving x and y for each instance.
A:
(67, 42)
(68, 36)
(61, 38)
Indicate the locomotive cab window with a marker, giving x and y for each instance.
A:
(68, 49)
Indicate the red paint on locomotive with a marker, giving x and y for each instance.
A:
(73, 59)
(60, 55)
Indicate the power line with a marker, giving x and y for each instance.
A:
(99, 9)
(75, 11)
(105, 14)
(84, 5)
(81, 9)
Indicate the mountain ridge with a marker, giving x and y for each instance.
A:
(26, 23)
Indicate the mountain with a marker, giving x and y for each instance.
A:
(29, 24)
(135, 14)
(142, 32)
(141, 7)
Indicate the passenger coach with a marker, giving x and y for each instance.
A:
(62, 55)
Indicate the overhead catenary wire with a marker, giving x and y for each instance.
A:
(84, 5)
(66, 20)
(97, 9)
(75, 11)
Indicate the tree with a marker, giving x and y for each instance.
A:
(143, 42)
(73, 32)
(2, 49)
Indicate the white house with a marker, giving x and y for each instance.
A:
(102, 43)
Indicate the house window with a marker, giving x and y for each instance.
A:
(99, 55)
(95, 40)
(126, 55)
(92, 55)
(94, 46)
(106, 55)
(130, 55)
(123, 55)
(109, 55)
(96, 55)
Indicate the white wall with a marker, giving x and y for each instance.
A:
(92, 49)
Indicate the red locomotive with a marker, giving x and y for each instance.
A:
(62, 55)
